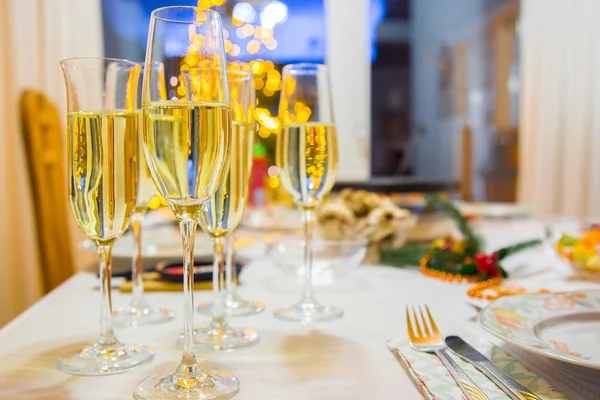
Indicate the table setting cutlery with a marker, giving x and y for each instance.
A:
(430, 340)
(454, 368)
(465, 351)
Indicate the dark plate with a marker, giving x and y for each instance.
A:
(173, 272)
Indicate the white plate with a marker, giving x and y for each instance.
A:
(493, 210)
(564, 326)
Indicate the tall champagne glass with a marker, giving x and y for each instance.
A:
(307, 159)
(224, 211)
(139, 312)
(243, 100)
(187, 135)
(102, 164)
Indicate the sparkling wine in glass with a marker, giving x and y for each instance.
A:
(187, 139)
(243, 100)
(103, 175)
(139, 311)
(224, 212)
(307, 157)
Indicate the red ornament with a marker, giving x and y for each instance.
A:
(486, 264)
(480, 257)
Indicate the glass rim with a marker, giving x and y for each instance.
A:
(304, 68)
(155, 14)
(70, 62)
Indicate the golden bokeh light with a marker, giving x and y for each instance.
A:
(263, 133)
(258, 83)
(272, 45)
(267, 79)
(273, 85)
(253, 46)
(247, 30)
(237, 22)
(261, 113)
(258, 67)
(303, 115)
(191, 60)
(268, 40)
(273, 182)
(274, 74)
(205, 3)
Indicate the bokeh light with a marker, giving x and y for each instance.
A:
(273, 182)
(253, 46)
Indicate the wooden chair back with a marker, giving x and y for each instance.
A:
(45, 153)
(466, 166)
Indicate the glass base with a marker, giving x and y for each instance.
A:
(235, 306)
(308, 313)
(134, 316)
(216, 385)
(105, 359)
(222, 338)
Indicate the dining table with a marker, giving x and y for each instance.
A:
(343, 359)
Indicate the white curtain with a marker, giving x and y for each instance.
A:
(34, 36)
(559, 157)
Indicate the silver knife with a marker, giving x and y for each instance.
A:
(465, 351)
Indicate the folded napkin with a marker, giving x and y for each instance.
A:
(153, 283)
(435, 382)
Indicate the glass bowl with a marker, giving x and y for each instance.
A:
(332, 259)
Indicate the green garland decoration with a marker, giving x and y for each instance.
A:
(468, 262)
(474, 243)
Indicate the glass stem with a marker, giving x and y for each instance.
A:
(188, 231)
(137, 265)
(218, 281)
(231, 270)
(307, 293)
(107, 336)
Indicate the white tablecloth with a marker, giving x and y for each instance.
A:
(344, 359)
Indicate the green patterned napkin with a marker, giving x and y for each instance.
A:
(435, 383)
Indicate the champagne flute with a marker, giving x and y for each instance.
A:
(102, 164)
(187, 135)
(307, 160)
(139, 312)
(224, 211)
(243, 100)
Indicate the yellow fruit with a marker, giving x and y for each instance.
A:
(582, 252)
(593, 263)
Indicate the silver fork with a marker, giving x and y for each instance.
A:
(429, 340)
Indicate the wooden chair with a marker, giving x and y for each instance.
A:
(466, 166)
(45, 152)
